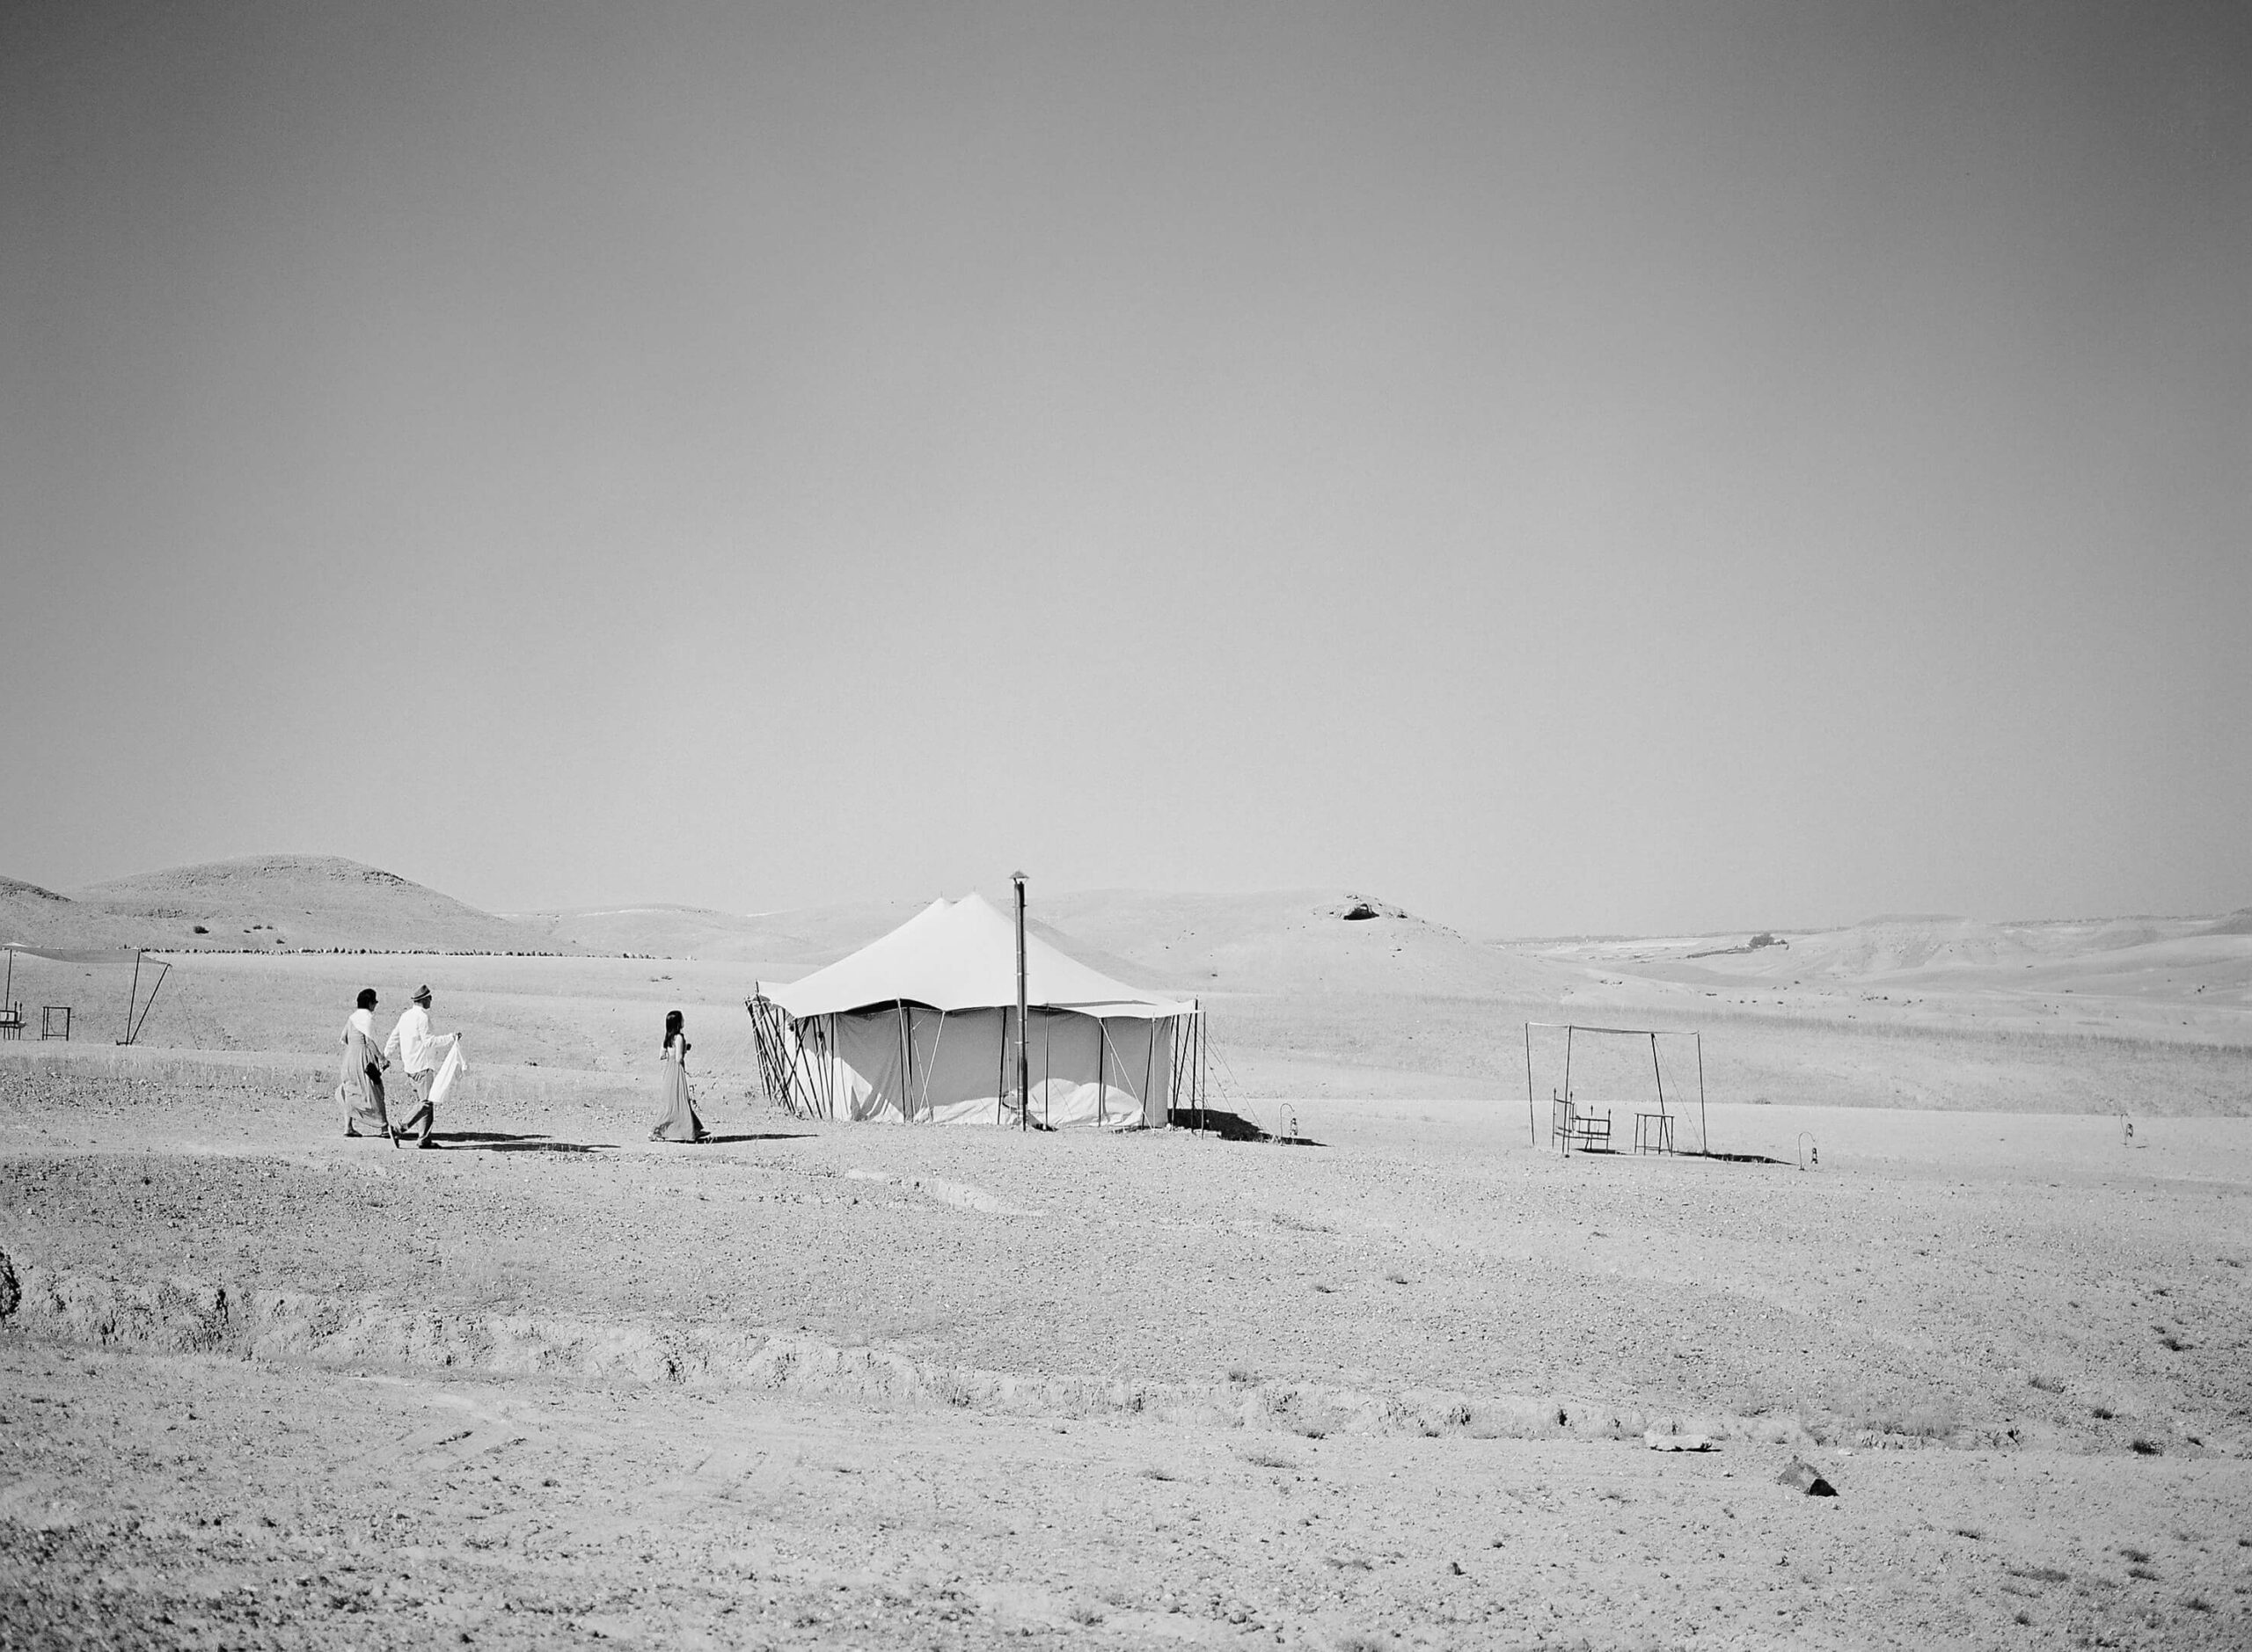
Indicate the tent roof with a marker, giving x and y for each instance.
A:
(962, 955)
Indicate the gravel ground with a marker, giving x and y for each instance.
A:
(187, 1502)
(1987, 1320)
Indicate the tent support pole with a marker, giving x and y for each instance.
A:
(155, 987)
(132, 997)
(906, 1061)
(1197, 1076)
(1531, 1115)
(1567, 1143)
(1196, 1061)
(1149, 1064)
(1658, 1073)
(1024, 1027)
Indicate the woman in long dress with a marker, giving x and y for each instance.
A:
(680, 1122)
(360, 1074)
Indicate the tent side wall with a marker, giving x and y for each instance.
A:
(909, 1063)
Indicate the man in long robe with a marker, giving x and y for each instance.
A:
(422, 1055)
(360, 1075)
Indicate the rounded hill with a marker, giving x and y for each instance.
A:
(278, 902)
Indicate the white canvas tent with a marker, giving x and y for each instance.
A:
(919, 1027)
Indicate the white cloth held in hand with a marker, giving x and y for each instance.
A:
(449, 1069)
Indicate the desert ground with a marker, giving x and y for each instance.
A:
(826, 1384)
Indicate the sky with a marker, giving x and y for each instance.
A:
(1562, 468)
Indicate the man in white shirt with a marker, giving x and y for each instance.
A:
(413, 1048)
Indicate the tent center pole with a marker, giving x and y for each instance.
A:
(1024, 1027)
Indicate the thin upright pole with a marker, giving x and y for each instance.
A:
(1665, 1124)
(1531, 1113)
(1703, 1134)
(1024, 1027)
(163, 969)
(132, 994)
(1568, 1079)
(906, 1061)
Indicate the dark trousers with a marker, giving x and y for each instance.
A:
(425, 1114)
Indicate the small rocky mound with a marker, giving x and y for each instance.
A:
(1359, 910)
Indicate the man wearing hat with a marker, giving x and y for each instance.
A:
(414, 1049)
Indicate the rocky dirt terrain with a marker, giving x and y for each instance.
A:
(851, 1386)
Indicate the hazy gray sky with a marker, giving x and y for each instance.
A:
(1564, 467)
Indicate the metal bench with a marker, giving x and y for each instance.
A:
(11, 1020)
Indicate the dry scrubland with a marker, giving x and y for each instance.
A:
(829, 1385)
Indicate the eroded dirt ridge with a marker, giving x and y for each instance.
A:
(182, 1315)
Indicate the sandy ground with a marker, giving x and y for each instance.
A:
(840, 1386)
(1984, 1048)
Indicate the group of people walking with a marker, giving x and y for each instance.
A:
(432, 1062)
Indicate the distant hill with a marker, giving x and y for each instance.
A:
(2204, 964)
(37, 917)
(1321, 940)
(260, 903)
(774, 945)
(1292, 940)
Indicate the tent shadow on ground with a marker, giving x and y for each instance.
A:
(759, 1136)
(1687, 1153)
(501, 1141)
(1230, 1127)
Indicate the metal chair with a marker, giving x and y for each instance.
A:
(1571, 1123)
